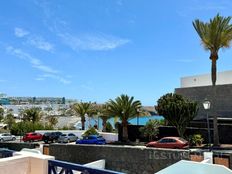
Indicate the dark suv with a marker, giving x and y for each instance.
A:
(51, 136)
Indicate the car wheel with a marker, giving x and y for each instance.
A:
(1, 140)
(13, 139)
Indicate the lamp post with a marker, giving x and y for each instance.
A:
(138, 110)
(206, 105)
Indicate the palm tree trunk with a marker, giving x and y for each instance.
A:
(83, 123)
(214, 70)
(214, 57)
(215, 121)
(124, 131)
(104, 125)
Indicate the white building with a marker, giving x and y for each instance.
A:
(223, 78)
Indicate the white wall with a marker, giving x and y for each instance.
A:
(25, 163)
(205, 79)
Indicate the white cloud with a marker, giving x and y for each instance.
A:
(97, 42)
(34, 40)
(40, 43)
(19, 32)
(39, 79)
(36, 63)
(59, 78)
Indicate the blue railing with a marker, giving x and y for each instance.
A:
(61, 167)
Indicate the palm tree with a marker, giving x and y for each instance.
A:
(124, 107)
(102, 112)
(83, 109)
(31, 114)
(52, 121)
(214, 35)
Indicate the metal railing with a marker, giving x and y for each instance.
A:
(61, 167)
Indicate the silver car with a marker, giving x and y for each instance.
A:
(66, 138)
(7, 137)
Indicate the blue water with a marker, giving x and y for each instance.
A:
(141, 121)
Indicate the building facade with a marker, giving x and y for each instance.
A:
(199, 88)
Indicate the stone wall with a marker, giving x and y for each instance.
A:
(221, 103)
(128, 159)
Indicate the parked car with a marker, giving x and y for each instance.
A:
(7, 137)
(169, 142)
(92, 139)
(51, 136)
(32, 136)
(66, 138)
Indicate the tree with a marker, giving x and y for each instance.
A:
(9, 120)
(150, 130)
(124, 107)
(215, 34)
(102, 112)
(52, 121)
(83, 109)
(177, 110)
(31, 114)
(1, 113)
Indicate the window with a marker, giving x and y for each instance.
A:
(163, 140)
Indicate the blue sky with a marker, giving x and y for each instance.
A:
(96, 50)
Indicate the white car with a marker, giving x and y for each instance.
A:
(7, 137)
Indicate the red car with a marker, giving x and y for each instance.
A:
(32, 136)
(169, 142)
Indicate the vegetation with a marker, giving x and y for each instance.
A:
(1, 114)
(150, 130)
(124, 107)
(32, 115)
(109, 127)
(21, 128)
(215, 34)
(67, 128)
(177, 110)
(90, 131)
(9, 120)
(102, 112)
(196, 139)
(52, 121)
(83, 109)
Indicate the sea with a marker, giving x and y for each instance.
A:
(90, 122)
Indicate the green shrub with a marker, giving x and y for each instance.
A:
(150, 130)
(109, 127)
(196, 139)
(90, 131)
(23, 127)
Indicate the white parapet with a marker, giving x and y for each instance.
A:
(25, 163)
(208, 157)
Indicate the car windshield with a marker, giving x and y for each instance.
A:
(182, 139)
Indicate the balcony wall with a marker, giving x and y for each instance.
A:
(25, 164)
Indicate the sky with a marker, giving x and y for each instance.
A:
(96, 50)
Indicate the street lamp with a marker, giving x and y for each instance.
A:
(206, 105)
(138, 110)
